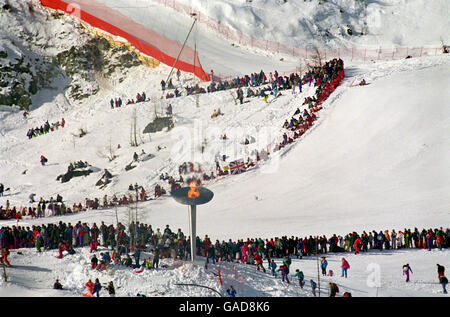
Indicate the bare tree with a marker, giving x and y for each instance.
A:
(316, 56)
(111, 156)
(133, 133)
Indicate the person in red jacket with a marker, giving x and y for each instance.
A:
(259, 262)
(93, 245)
(345, 266)
(357, 245)
(60, 250)
(4, 258)
(43, 160)
(90, 287)
(439, 241)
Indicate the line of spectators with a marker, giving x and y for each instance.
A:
(46, 128)
(139, 236)
(117, 102)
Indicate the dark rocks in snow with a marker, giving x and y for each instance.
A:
(159, 124)
(71, 174)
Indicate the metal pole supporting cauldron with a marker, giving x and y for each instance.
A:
(181, 196)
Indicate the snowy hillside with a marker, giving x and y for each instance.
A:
(375, 159)
(325, 23)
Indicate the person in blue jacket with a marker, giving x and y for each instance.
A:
(313, 287)
(299, 274)
(273, 267)
(231, 292)
(323, 265)
(97, 287)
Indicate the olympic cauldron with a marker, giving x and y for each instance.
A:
(192, 196)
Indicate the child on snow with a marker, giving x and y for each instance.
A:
(313, 287)
(323, 266)
(406, 270)
(273, 267)
(97, 287)
(284, 273)
(443, 281)
(299, 274)
(90, 287)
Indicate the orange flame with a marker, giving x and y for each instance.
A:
(193, 192)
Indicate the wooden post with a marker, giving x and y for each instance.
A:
(318, 272)
(5, 276)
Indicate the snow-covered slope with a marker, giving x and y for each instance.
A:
(324, 23)
(295, 23)
(374, 160)
(375, 153)
(371, 275)
(374, 156)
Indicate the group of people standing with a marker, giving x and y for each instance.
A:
(122, 239)
(117, 102)
(46, 128)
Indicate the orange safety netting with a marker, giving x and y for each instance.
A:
(145, 40)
